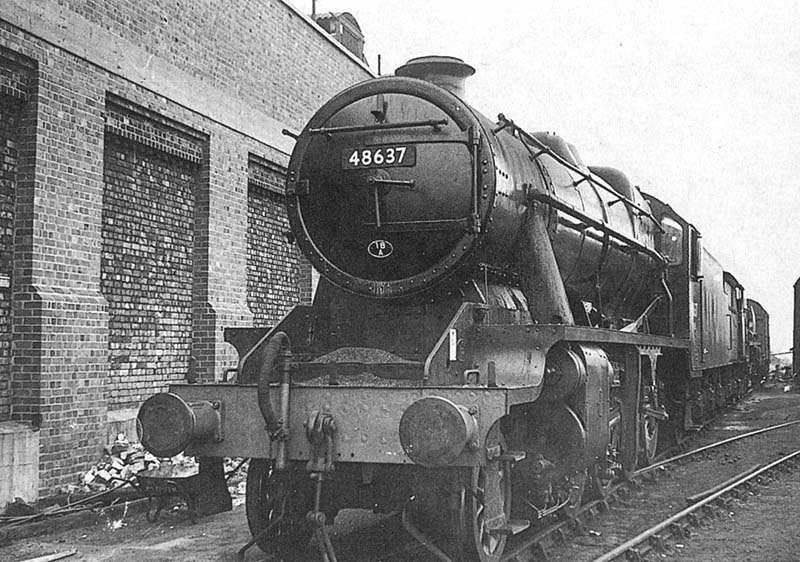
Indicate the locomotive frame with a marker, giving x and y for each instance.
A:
(499, 333)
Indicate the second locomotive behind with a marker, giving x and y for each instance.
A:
(499, 332)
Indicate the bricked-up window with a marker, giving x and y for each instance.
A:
(10, 110)
(272, 263)
(147, 255)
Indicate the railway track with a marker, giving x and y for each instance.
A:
(538, 546)
(604, 526)
(658, 536)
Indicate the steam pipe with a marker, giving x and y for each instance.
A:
(286, 377)
(543, 286)
(276, 427)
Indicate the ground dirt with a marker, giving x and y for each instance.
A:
(127, 537)
(765, 527)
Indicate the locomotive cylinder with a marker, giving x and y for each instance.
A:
(565, 372)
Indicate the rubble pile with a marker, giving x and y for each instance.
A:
(117, 469)
(122, 460)
(237, 485)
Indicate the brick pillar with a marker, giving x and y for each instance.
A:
(59, 369)
(220, 266)
(204, 316)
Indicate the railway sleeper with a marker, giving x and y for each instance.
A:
(540, 552)
(659, 542)
(635, 554)
(711, 512)
(680, 529)
(650, 477)
(766, 479)
(591, 513)
(560, 536)
(578, 524)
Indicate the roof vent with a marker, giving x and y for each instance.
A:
(449, 73)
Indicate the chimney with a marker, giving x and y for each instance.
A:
(449, 73)
(344, 27)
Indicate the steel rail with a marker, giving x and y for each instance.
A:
(693, 499)
(652, 531)
(670, 460)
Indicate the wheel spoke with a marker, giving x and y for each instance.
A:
(278, 500)
(490, 486)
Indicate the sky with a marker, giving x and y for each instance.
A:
(697, 102)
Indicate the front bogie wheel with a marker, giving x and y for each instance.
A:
(576, 485)
(280, 501)
(649, 440)
(484, 507)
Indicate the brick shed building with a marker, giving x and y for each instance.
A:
(141, 203)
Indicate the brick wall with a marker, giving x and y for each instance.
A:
(10, 114)
(307, 280)
(272, 263)
(260, 49)
(147, 253)
(225, 76)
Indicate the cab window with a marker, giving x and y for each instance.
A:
(672, 241)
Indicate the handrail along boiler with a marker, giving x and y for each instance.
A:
(499, 331)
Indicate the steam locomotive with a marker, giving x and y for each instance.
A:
(499, 332)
